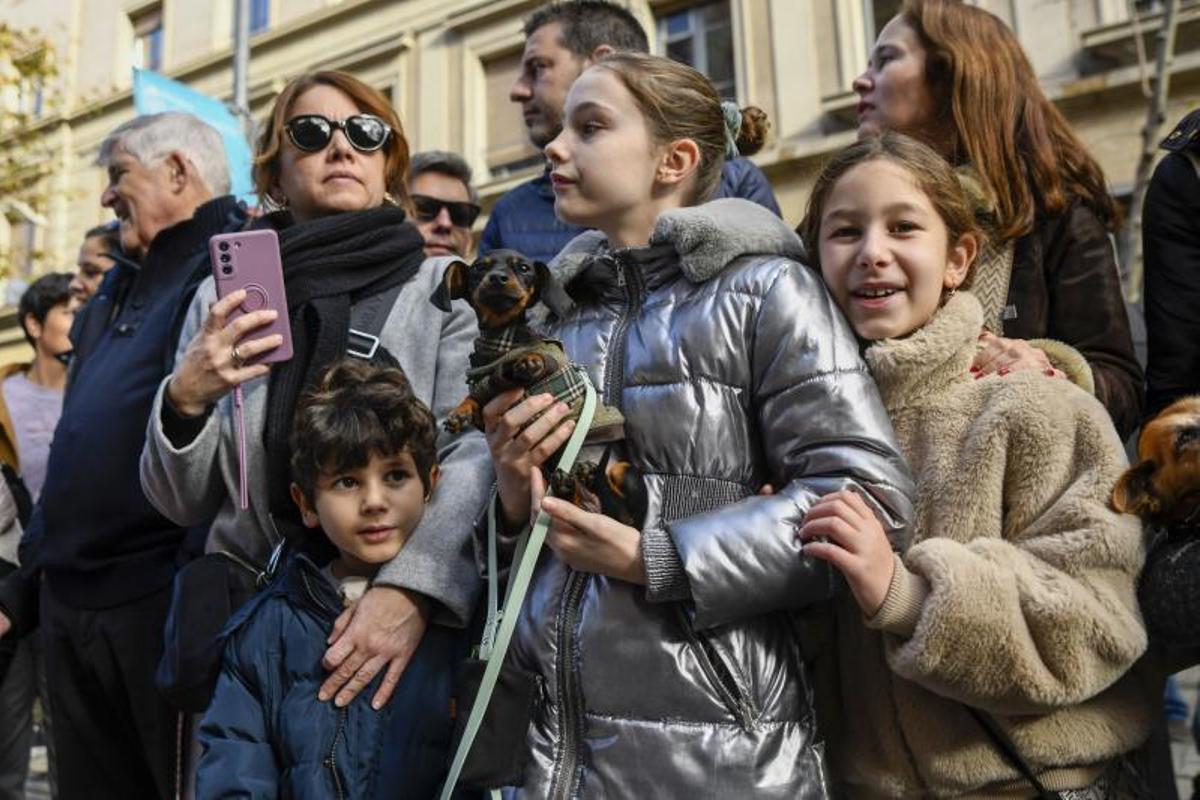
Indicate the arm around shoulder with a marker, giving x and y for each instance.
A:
(438, 560)
(1088, 311)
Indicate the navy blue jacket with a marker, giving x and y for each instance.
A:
(1171, 243)
(93, 534)
(266, 735)
(523, 220)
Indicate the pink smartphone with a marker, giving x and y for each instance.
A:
(250, 260)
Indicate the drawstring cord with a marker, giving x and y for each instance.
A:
(240, 420)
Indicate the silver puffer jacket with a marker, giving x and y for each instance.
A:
(734, 369)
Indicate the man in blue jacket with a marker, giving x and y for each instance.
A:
(563, 39)
(101, 555)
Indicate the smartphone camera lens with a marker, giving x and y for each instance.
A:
(226, 270)
(224, 258)
(223, 246)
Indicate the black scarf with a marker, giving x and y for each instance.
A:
(329, 264)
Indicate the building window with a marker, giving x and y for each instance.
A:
(22, 241)
(260, 15)
(702, 36)
(31, 86)
(147, 37)
(876, 14)
(508, 147)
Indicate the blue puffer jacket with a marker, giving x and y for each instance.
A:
(523, 220)
(265, 735)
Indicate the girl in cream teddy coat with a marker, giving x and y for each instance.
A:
(1013, 591)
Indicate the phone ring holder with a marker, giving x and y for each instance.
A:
(256, 297)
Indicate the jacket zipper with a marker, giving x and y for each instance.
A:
(570, 700)
(331, 759)
(721, 679)
(614, 377)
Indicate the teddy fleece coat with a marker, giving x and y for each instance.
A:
(1014, 592)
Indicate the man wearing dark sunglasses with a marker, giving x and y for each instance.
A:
(445, 202)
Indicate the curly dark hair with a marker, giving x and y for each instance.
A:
(357, 410)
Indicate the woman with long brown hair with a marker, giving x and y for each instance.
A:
(955, 77)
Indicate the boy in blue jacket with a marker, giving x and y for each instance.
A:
(364, 466)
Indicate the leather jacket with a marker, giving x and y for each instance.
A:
(734, 369)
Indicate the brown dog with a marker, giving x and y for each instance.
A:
(501, 287)
(1164, 486)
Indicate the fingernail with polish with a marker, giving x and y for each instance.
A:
(1050, 371)
(1004, 370)
(974, 368)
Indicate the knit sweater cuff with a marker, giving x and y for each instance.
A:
(181, 430)
(665, 577)
(902, 606)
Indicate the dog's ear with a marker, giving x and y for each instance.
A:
(1134, 492)
(452, 287)
(549, 291)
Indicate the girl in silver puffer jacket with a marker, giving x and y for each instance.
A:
(668, 658)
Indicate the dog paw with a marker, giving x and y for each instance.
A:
(528, 369)
(457, 422)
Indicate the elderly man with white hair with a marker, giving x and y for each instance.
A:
(98, 553)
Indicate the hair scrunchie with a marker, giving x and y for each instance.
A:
(733, 124)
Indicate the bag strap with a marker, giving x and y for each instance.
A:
(1008, 749)
(367, 317)
(501, 623)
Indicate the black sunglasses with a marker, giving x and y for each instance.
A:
(461, 214)
(312, 132)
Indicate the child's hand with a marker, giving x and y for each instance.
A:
(589, 542)
(856, 545)
(516, 444)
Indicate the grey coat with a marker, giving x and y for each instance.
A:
(199, 482)
(733, 368)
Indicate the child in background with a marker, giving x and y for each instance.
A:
(1013, 592)
(364, 467)
(668, 654)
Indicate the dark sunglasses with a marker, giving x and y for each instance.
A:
(461, 214)
(312, 132)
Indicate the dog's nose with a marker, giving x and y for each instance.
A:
(498, 279)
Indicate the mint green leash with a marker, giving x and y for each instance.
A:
(501, 624)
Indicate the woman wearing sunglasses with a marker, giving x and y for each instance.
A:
(332, 160)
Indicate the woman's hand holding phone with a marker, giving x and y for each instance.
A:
(210, 368)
